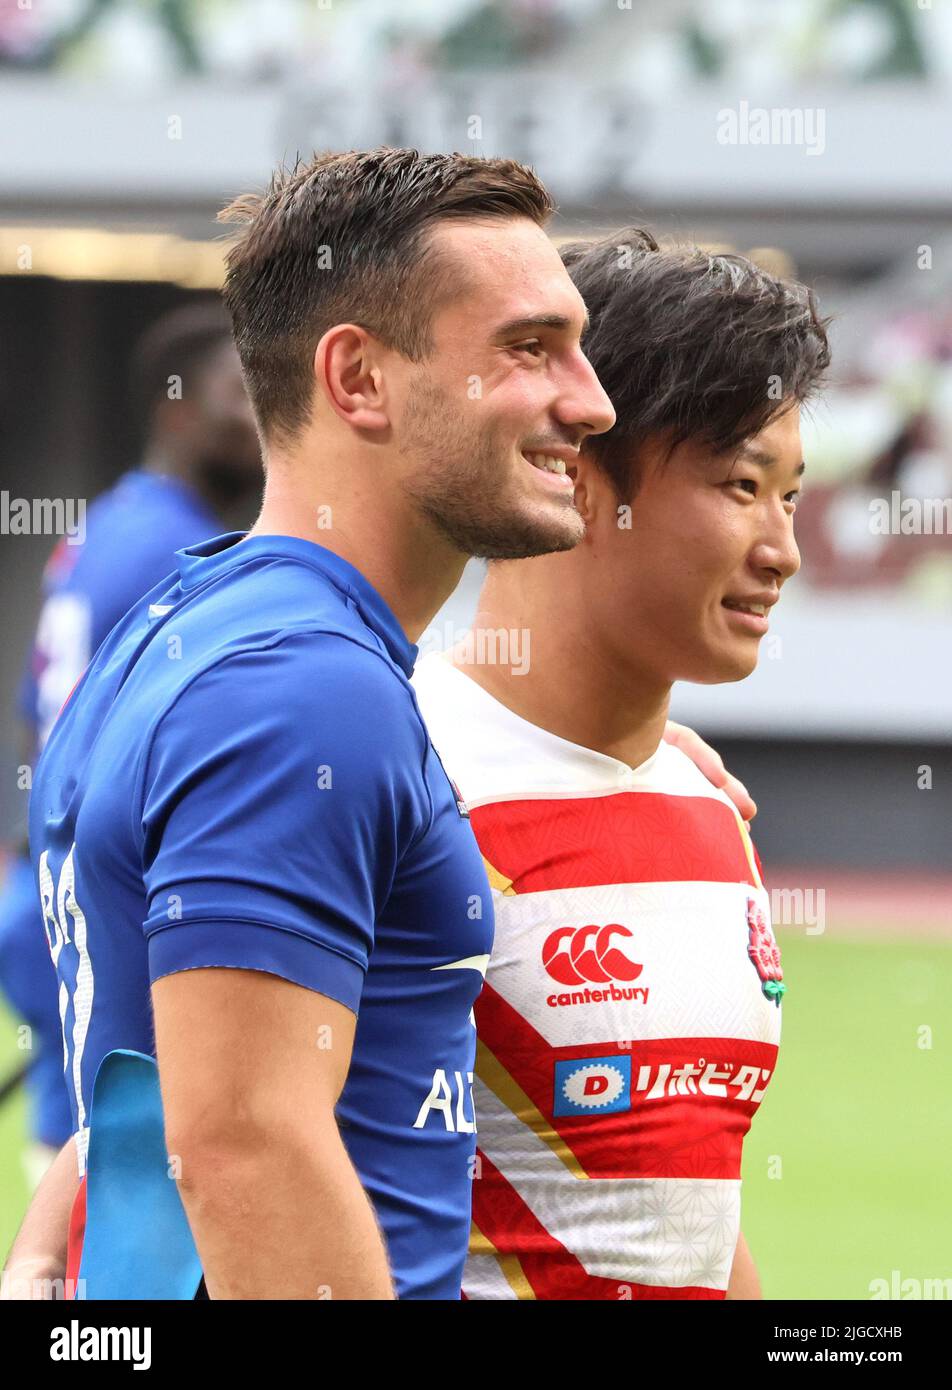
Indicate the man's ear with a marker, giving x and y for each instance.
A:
(348, 369)
(587, 479)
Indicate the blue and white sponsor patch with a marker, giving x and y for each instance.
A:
(592, 1086)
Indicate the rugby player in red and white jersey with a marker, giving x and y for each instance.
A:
(630, 1020)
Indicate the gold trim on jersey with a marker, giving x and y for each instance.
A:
(748, 848)
(509, 1265)
(497, 880)
(491, 1071)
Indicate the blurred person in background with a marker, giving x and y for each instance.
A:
(630, 1020)
(200, 469)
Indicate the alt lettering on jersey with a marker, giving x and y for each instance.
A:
(448, 1099)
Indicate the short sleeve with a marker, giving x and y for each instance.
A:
(279, 793)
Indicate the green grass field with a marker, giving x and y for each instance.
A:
(858, 1115)
(13, 1118)
(857, 1122)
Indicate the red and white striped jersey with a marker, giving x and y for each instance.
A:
(630, 1019)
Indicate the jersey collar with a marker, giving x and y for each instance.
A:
(193, 569)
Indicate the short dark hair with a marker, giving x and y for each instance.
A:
(341, 239)
(688, 344)
(176, 344)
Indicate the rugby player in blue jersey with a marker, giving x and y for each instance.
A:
(242, 836)
(200, 463)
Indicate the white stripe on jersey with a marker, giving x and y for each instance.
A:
(691, 942)
(484, 1279)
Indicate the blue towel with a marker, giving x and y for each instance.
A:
(138, 1244)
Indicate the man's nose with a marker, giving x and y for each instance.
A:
(584, 403)
(776, 551)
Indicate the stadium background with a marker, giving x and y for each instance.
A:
(125, 125)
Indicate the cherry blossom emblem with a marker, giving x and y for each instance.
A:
(764, 951)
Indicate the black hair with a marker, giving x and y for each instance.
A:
(690, 345)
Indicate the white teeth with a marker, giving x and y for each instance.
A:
(547, 463)
(759, 608)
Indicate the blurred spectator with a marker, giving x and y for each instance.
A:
(879, 516)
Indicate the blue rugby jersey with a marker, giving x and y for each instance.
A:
(242, 778)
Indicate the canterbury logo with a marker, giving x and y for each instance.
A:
(580, 955)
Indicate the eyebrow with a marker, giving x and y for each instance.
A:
(525, 325)
(765, 459)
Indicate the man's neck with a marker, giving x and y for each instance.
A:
(570, 685)
(371, 526)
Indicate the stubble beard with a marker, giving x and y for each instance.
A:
(462, 484)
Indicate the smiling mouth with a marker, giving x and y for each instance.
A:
(545, 463)
(759, 610)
